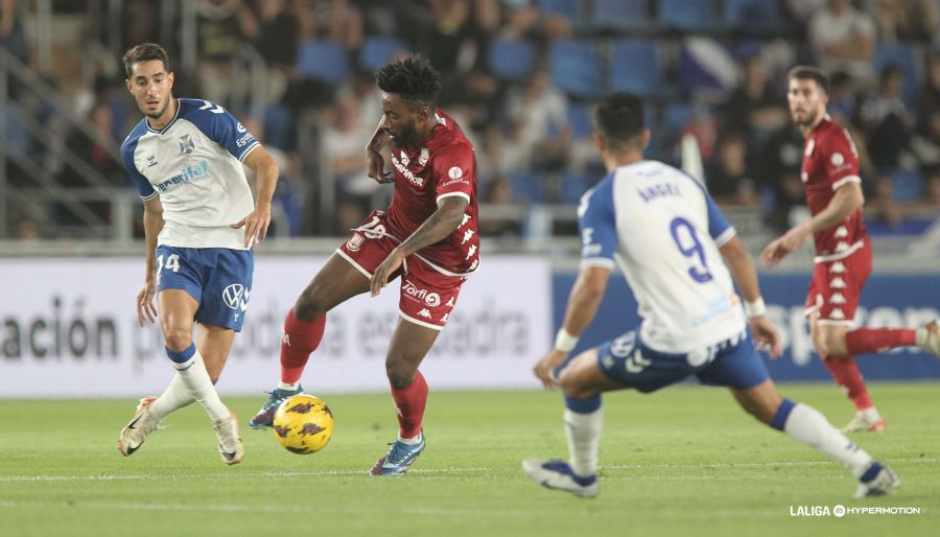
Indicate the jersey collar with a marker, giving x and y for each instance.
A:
(168, 125)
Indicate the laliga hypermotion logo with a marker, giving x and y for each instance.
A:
(235, 297)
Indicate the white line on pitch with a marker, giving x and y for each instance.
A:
(421, 471)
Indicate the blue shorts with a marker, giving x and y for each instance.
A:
(218, 278)
(734, 363)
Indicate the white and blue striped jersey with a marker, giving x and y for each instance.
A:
(664, 232)
(195, 165)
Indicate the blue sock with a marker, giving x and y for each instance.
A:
(583, 406)
(182, 356)
(783, 412)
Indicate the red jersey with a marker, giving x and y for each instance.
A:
(830, 161)
(443, 166)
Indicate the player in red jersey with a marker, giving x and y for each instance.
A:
(428, 237)
(843, 249)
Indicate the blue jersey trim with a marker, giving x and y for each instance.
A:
(597, 222)
(218, 125)
(128, 148)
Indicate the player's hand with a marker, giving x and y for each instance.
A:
(782, 246)
(380, 140)
(256, 225)
(146, 309)
(766, 335)
(545, 368)
(388, 267)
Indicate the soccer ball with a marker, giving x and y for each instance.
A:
(303, 424)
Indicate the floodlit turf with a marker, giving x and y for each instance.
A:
(685, 461)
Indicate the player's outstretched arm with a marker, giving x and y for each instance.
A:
(266, 174)
(744, 274)
(845, 201)
(153, 223)
(437, 227)
(378, 143)
(585, 298)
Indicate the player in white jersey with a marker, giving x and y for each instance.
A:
(185, 158)
(666, 233)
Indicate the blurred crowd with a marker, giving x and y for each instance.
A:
(520, 76)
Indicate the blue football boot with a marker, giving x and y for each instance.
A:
(265, 416)
(399, 458)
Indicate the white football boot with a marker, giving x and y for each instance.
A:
(878, 480)
(135, 432)
(230, 443)
(557, 474)
(863, 423)
(928, 337)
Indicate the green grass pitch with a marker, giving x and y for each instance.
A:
(685, 461)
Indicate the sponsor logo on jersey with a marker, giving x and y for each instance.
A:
(151, 161)
(240, 128)
(402, 168)
(186, 175)
(187, 145)
(235, 296)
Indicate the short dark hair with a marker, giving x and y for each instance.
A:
(145, 52)
(806, 72)
(413, 79)
(619, 119)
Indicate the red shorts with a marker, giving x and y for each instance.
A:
(837, 284)
(428, 292)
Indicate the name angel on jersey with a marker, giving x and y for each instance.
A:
(187, 175)
(658, 191)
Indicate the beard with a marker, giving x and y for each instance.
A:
(808, 119)
(160, 110)
(407, 137)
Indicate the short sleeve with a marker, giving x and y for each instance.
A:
(597, 223)
(454, 171)
(841, 159)
(718, 227)
(222, 128)
(144, 188)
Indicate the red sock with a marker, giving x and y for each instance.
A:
(300, 339)
(846, 374)
(410, 402)
(866, 340)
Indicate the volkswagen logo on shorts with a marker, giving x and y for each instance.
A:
(235, 296)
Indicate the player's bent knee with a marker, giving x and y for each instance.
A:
(310, 303)
(178, 340)
(399, 374)
(572, 384)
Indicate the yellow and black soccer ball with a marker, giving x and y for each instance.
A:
(303, 424)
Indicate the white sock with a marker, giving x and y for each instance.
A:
(410, 441)
(176, 396)
(194, 375)
(584, 438)
(807, 425)
(870, 414)
(287, 387)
